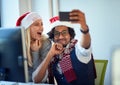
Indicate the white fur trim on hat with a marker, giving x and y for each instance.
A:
(64, 23)
(30, 19)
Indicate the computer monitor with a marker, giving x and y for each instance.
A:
(13, 54)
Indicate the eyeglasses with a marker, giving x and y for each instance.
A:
(63, 33)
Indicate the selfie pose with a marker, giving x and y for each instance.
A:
(69, 60)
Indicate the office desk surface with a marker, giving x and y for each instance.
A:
(18, 83)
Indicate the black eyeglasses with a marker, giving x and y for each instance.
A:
(63, 33)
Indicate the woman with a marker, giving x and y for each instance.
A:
(37, 44)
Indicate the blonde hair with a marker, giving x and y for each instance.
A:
(28, 40)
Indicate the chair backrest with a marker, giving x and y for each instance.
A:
(101, 66)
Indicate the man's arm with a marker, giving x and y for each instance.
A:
(85, 38)
(78, 16)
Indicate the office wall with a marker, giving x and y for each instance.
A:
(9, 12)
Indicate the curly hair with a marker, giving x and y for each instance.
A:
(70, 30)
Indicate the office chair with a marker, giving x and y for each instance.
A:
(101, 66)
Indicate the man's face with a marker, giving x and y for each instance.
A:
(61, 35)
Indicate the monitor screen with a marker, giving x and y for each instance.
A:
(13, 54)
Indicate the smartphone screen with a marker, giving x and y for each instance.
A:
(64, 16)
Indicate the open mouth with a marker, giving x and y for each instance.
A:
(39, 33)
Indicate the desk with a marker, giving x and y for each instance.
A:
(18, 83)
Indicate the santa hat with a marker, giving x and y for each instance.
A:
(27, 19)
(55, 21)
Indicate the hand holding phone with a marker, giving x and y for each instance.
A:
(64, 16)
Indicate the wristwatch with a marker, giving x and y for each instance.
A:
(84, 32)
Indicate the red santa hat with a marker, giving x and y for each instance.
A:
(27, 19)
(55, 21)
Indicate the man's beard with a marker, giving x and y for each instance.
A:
(64, 45)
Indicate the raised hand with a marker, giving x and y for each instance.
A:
(77, 16)
(35, 45)
(56, 49)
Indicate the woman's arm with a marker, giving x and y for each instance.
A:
(40, 72)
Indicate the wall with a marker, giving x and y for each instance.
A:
(9, 12)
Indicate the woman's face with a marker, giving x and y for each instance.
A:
(36, 30)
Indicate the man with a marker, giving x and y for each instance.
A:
(69, 60)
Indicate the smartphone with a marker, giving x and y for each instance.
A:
(64, 16)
